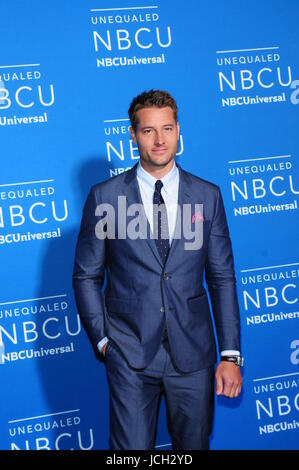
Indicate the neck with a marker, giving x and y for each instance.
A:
(157, 172)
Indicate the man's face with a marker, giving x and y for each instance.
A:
(156, 136)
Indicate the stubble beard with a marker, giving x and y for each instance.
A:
(157, 164)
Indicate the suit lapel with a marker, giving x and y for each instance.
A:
(132, 192)
(183, 198)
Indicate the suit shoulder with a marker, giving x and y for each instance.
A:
(202, 183)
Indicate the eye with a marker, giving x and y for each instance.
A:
(147, 131)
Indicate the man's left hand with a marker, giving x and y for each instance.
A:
(228, 379)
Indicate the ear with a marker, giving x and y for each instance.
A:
(178, 128)
(132, 133)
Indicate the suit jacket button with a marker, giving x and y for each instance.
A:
(166, 277)
(162, 309)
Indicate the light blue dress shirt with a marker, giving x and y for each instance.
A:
(169, 193)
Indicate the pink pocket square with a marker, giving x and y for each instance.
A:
(197, 217)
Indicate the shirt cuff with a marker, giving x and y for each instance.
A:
(101, 343)
(230, 352)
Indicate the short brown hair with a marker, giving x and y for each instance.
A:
(150, 99)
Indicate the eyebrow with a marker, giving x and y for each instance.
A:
(152, 127)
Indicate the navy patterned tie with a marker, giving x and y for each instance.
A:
(160, 222)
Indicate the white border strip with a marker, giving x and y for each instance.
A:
(116, 120)
(31, 300)
(163, 445)
(20, 65)
(275, 377)
(25, 182)
(259, 158)
(42, 416)
(269, 267)
(246, 50)
(125, 8)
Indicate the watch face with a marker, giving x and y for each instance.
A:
(240, 361)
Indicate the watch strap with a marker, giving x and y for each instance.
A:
(238, 360)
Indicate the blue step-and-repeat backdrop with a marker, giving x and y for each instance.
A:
(68, 72)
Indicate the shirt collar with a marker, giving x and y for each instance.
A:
(150, 180)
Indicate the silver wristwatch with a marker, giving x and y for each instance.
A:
(238, 360)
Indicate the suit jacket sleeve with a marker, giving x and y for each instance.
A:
(221, 281)
(89, 273)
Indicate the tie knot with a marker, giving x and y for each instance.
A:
(158, 185)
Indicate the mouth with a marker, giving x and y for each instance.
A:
(160, 150)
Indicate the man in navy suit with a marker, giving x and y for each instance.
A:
(153, 324)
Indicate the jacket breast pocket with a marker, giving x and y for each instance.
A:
(123, 306)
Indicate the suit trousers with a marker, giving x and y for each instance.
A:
(135, 397)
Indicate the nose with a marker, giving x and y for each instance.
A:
(159, 138)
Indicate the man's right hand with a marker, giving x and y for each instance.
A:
(103, 350)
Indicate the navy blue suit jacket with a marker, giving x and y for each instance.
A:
(141, 294)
